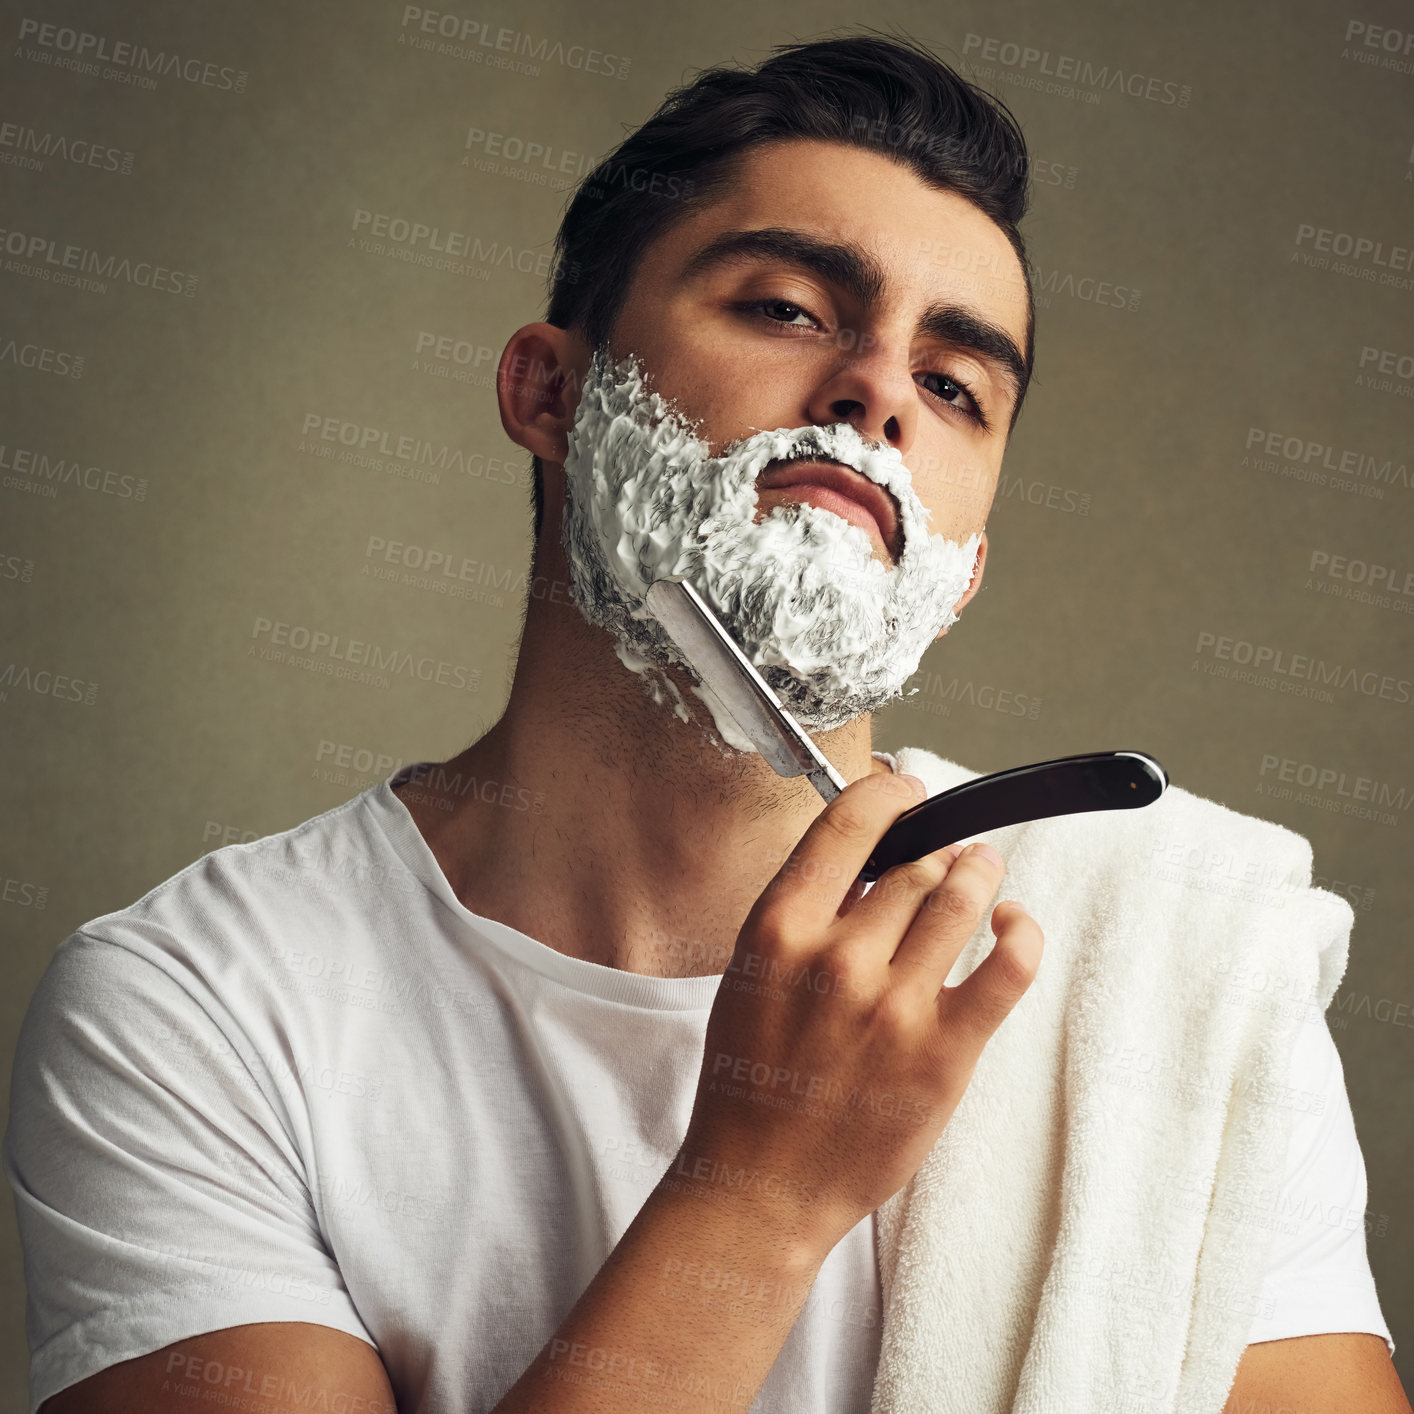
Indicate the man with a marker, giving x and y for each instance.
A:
(450, 1096)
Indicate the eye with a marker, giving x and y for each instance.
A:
(949, 392)
(781, 311)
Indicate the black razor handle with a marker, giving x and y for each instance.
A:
(1069, 785)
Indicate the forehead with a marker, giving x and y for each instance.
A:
(933, 246)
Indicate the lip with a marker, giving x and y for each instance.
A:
(838, 488)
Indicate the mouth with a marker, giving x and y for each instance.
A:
(835, 487)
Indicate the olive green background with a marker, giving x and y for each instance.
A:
(1133, 532)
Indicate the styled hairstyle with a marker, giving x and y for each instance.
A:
(884, 94)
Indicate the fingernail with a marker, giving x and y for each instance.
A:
(919, 788)
(984, 851)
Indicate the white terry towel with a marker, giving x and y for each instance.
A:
(1089, 1235)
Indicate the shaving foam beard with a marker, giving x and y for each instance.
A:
(834, 631)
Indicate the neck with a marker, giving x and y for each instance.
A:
(628, 839)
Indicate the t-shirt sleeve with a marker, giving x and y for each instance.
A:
(158, 1189)
(1318, 1277)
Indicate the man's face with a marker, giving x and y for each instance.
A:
(802, 409)
(744, 331)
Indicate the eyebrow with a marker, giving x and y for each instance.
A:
(854, 270)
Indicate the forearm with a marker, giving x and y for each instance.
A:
(687, 1314)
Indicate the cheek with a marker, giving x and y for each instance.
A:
(701, 385)
(956, 487)
(716, 379)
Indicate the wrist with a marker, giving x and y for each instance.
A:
(779, 1219)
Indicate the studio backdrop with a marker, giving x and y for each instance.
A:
(262, 537)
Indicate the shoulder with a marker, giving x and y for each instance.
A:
(1181, 828)
(234, 929)
(1230, 884)
(252, 887)
(229, 969)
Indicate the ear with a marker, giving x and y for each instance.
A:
(538, 383)
(976, 581)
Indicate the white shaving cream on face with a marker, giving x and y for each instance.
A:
(834, 631)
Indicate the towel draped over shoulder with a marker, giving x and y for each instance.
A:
(1091, 1230)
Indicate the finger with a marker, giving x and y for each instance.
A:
(809, 889)
(974, 1009)
(893, 899)
(945, 919)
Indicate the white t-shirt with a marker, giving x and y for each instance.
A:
(299, 1081)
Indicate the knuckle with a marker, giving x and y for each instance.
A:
(890, 888)
(771, 930)
(893, 1011)
(988, 1006)
(925, 873)
(874, 795)
(843, 966)
(848, 816)
(952, 904)
(1014, 973)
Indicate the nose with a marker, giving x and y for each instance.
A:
(848, 410)
(876, 394)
